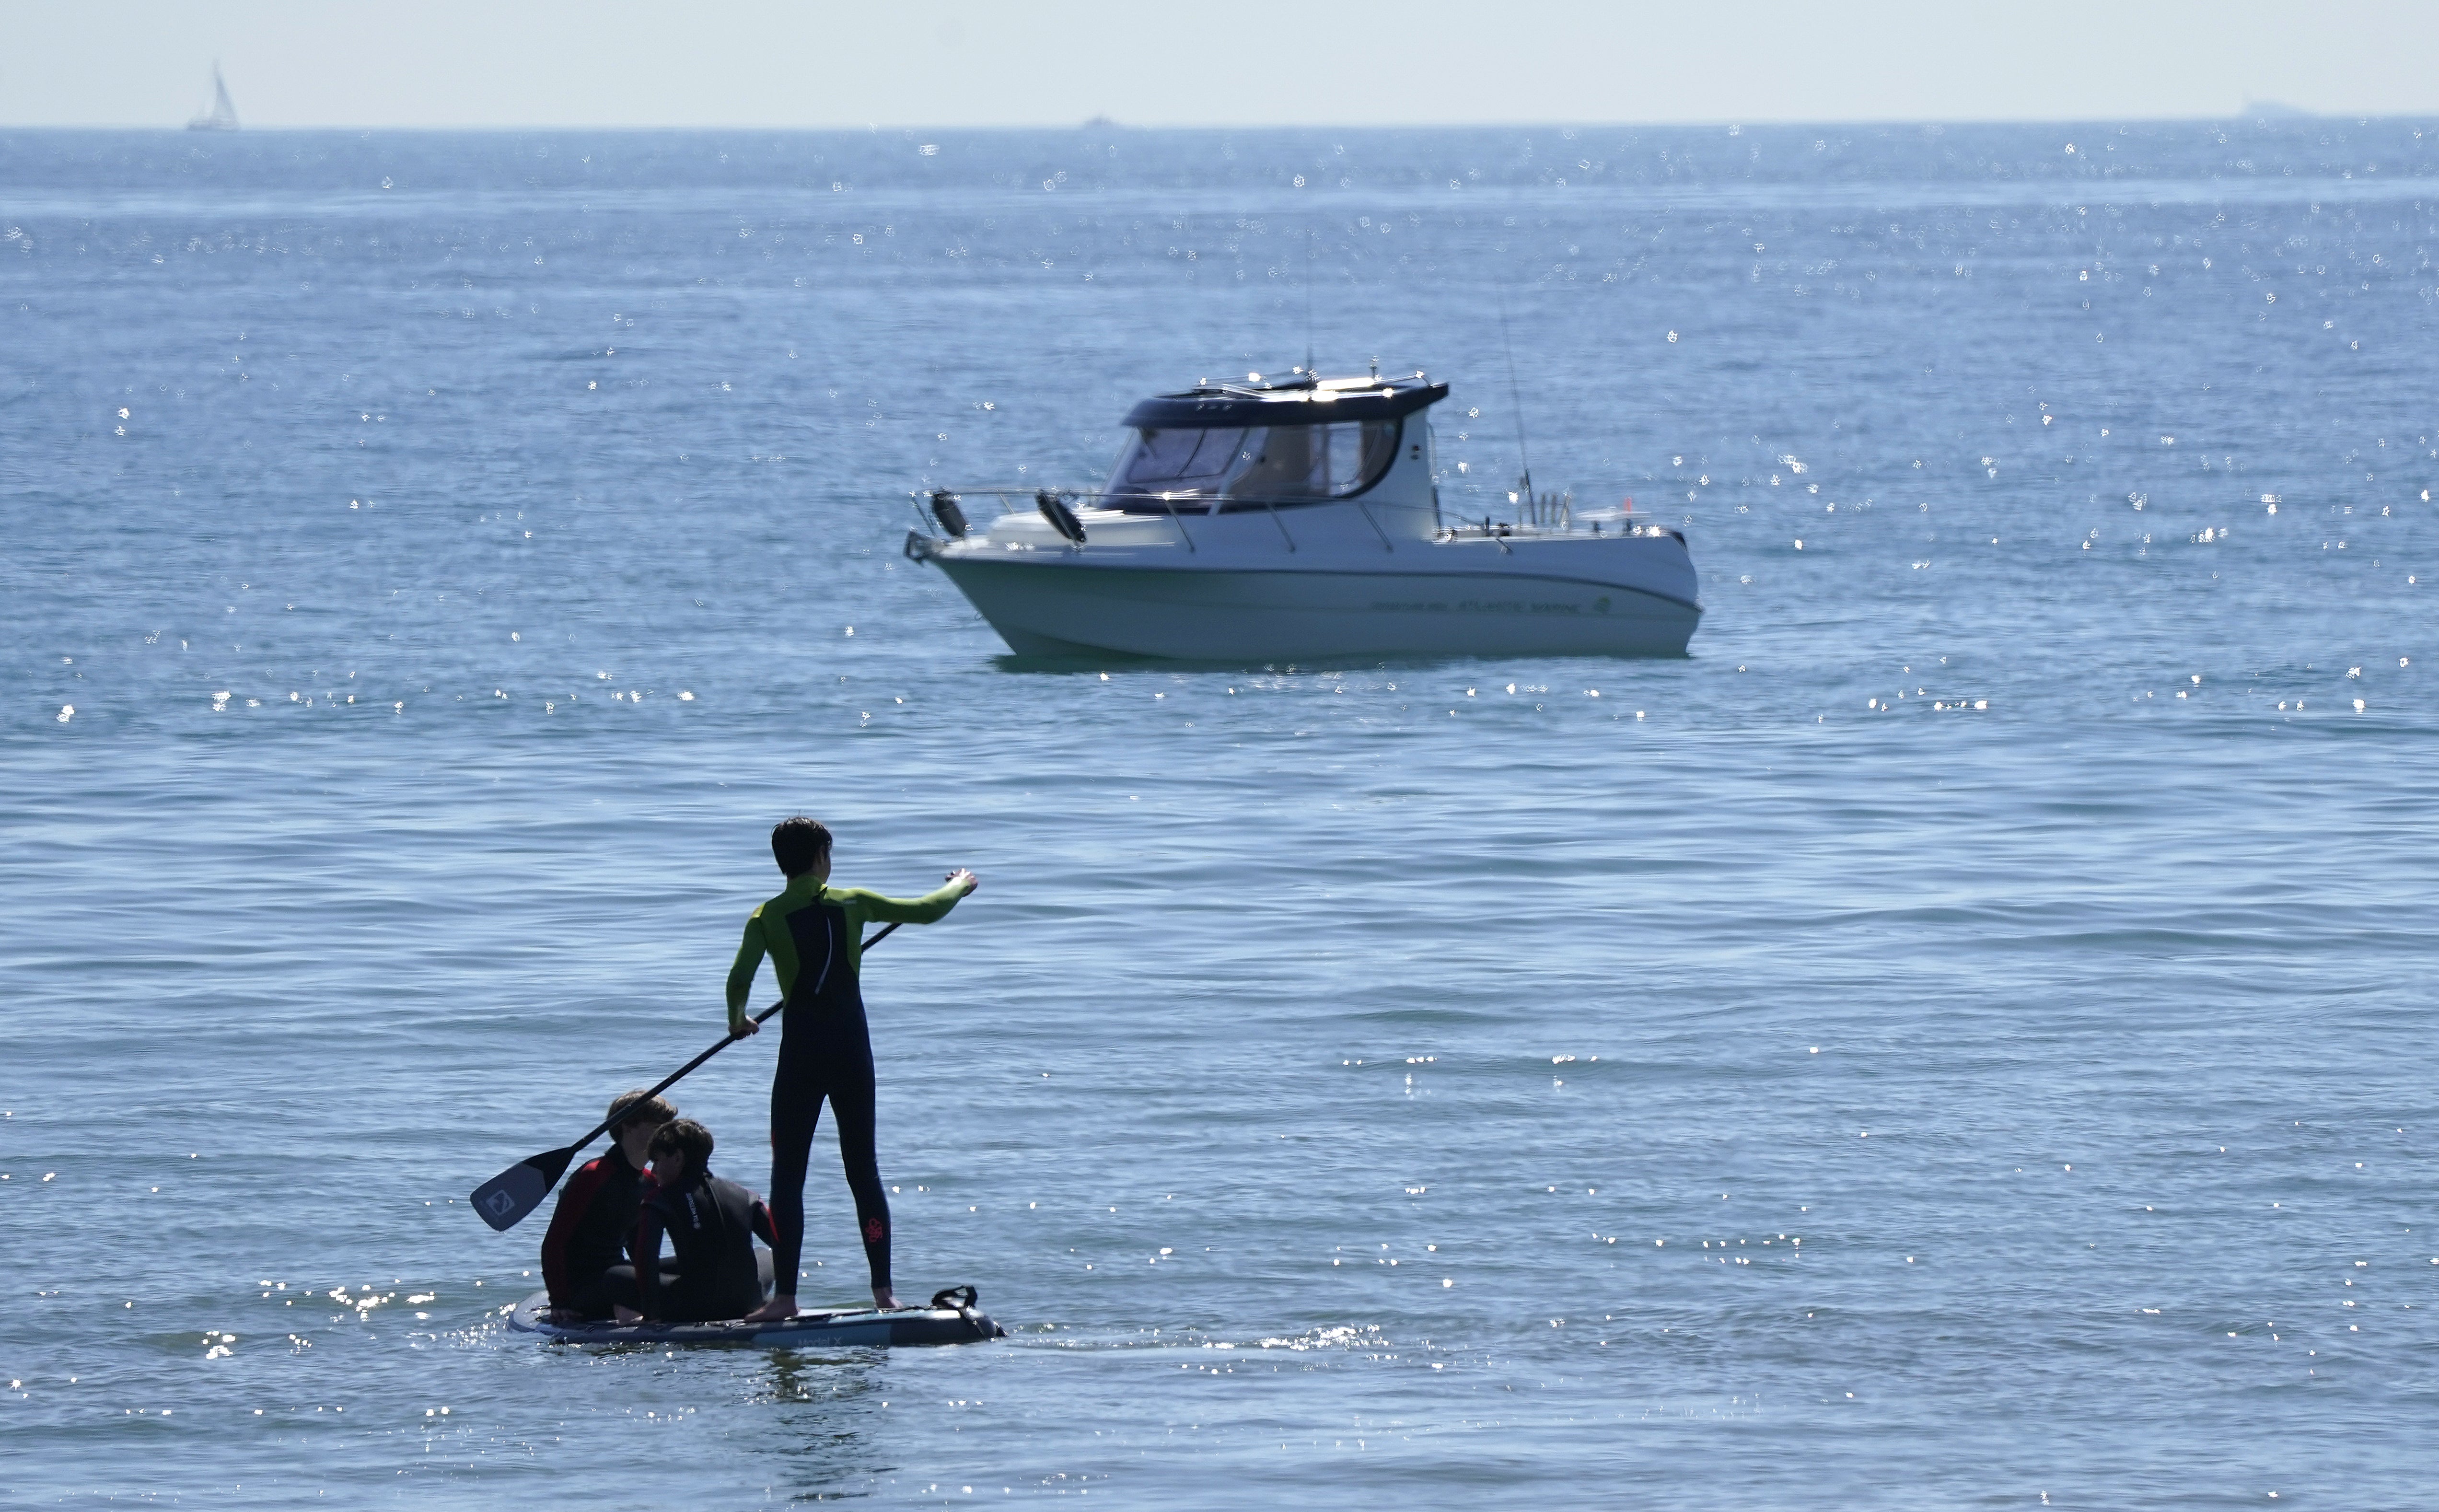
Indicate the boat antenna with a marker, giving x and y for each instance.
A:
(1515, 397)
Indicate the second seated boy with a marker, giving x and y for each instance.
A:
(711, 1224)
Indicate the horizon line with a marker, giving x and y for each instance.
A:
(2270, 113)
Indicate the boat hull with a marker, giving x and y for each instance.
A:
(1046, 605)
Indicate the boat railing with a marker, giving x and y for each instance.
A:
(926, 503)
(1535, 516)
(1131, 503)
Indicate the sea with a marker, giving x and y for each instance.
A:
(1960, 1038)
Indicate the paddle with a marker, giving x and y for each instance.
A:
(505, 1199)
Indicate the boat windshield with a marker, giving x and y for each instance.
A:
(1185, 464)
(1276, 464)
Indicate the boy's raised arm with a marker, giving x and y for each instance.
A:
(929, 908)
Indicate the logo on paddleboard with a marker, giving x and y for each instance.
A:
(1601, 604)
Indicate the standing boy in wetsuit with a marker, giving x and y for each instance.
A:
(813, 934)
(711, 1224)
(583, 1254)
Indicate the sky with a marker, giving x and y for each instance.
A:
(478, 64)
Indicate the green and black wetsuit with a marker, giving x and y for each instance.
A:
(813, 934)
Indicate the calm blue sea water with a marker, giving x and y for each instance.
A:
(430, 568)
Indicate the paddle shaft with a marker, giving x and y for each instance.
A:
(680, 1074)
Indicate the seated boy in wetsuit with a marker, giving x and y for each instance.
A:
(711, 1224)
(585, 1254)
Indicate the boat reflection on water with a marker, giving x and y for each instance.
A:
(1264, 520)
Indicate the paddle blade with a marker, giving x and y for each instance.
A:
(505, 1199)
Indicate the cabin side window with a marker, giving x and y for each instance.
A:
(1274, 464)
(1295, 463)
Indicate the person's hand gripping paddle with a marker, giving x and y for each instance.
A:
(505, 1199)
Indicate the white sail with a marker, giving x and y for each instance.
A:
(222, 116)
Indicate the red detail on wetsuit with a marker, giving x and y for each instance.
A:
(875, 1231)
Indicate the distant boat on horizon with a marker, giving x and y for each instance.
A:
(221, 115)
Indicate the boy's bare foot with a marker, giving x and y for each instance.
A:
(778, 1309)
(624, 1313)
(883, 1298)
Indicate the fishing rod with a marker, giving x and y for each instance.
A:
(1309, 375)
(1515, 398)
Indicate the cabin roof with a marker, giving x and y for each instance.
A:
(1300, 401)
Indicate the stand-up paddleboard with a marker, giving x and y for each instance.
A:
(952, 1317)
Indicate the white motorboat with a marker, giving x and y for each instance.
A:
(1266, 522)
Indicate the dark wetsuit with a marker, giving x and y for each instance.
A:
(584, 1253)
(716, 1272)
(815, 937)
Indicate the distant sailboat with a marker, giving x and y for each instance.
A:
(223, 115)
